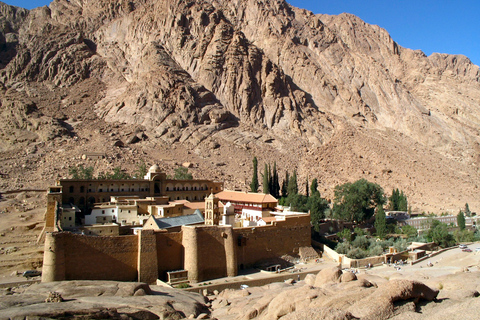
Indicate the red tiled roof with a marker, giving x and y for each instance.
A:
(237, 196)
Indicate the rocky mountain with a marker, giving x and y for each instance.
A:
(216, 82)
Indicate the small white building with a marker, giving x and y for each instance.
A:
(68, 216)
(228, 215)
(102, 214)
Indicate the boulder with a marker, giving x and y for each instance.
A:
(380, 304)
(329, 275)
(348, 276)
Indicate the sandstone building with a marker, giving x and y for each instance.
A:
(84, 193)
(211, 250)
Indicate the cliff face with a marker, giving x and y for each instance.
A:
(254, 77)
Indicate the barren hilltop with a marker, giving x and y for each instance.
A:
(215, 83)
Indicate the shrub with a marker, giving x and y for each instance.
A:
(361, 242)
(376, 250)
(343, 248)
(357, 253)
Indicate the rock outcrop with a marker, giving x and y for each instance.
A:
(328, 299)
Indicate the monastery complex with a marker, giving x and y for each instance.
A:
(159, 228)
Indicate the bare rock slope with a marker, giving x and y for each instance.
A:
(332, 295)
(217, 82)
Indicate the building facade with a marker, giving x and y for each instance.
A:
(83, 193)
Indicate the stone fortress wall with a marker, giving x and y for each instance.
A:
(206, 252)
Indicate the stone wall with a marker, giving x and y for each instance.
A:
(71, 256)
(170, 253)
(206, 252)
(209, 252)
(284, 237)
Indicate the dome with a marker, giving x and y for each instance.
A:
(154, 169)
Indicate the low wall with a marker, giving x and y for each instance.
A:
(360, 263)
(251, 282)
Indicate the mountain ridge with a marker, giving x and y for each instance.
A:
(213, 80)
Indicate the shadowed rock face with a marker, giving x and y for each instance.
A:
(189, 72)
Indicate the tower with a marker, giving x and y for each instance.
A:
(212, 215)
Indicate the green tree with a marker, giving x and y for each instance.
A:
(410, 231)
(181, 173)
(141, 170)
(398, 201)
(254, 183)
(402, 202)
(292, 188)
(345, 234)
(461, 220)
(356, 201)
(307, 193)
(314, 187)
(380, 223)
(317, 206)
(285, 185)
(81, 172)
(119, 174)
(275, 190)
(297, 202)
(266, 180)
(439, 234)
(468, 213)
(464, 236)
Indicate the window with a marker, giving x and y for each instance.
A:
(103, 212)
(70, 189)
(167, 188)
(113, 210)
(82, 189)
(100, 190)
(70, 218)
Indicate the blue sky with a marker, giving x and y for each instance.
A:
(444, 26)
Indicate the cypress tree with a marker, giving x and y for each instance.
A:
(402, 202)
(270, 179)
(266, 183)
(380, 223)
(314, 187)
(254, 183)
(292, 188)
(461, 220)
(285, 185)
(468, 213)
(275, 183)
(306, 189)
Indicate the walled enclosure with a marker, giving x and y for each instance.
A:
(206, 252)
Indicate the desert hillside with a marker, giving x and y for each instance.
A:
(215, 83)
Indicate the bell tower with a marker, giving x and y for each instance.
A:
(212, 215)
